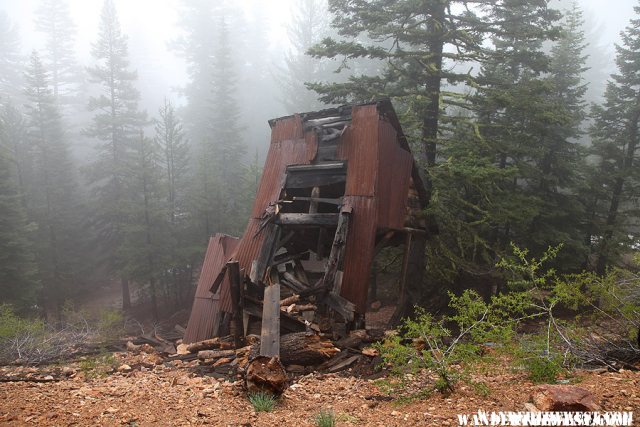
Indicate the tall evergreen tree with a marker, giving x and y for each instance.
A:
(615, 134)
(309, 25)
(54, 21)
(116, 123)
(53, 196)
(560, 159)
(19, 283)
(11, 61)
(146, 234)
(14, 138)
(174, 151)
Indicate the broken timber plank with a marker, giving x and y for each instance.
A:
(317, 200)
(287, 258)
(270, 334)
(307, 219)
(234, 286)
(272, 234)
(297, 283)
(340, 305)
(337, 251)
(254, 308)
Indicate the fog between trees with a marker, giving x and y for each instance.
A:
(130, 135)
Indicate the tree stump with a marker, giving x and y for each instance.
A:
(266, 374)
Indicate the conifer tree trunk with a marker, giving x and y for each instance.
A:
(616, 194)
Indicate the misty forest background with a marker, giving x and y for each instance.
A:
(522, 136)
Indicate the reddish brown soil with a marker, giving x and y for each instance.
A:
(172, 394)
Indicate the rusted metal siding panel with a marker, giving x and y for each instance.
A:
(359, 148)
(213, 262)
(205, 318)
(281, 154)
(287, 128)
(206, 307)
(359, 251)
(394, 176)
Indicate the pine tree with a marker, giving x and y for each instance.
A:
(116, 123)
(615, 135)
(514, 112)
(146, 233)
(11, 61)
(423, 44)
(14, 138)
(54, 21)
(174, 150)
(53, 197)
(309, 25)
(19, 283)
(560, 159)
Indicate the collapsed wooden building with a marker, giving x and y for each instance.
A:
(338, 186)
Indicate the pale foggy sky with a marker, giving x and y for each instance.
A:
(150, 24)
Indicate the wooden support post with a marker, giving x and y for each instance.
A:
(313, 203)
(270, 334)
(337, 252)
(233, 267)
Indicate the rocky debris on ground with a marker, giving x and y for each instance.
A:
(177, 392)
(564, 398)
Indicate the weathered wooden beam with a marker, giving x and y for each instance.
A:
(306, 219)
(313, 200)
(218, 280)
(287, 258)
(254, 308)
(337, 252)
(236, 301)
(272, 234)
(316, 200)
(340, 305)
(292, 279)
(270, 333)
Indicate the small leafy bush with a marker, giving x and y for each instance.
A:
(99, 366)
(325, 418)
(262, 401)
(111, 324)
(542, 369)
(427, 343)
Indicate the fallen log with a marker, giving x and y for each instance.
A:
(266, 374)
(303, 348)
(209, 344)
(215, 354)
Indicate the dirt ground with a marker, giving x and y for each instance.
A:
(173, 394)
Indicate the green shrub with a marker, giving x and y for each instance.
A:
(325, 418)
(262, 401)
(427, 343)
(12, 326)
(542, 369)
(98, 366)
(110, 324)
